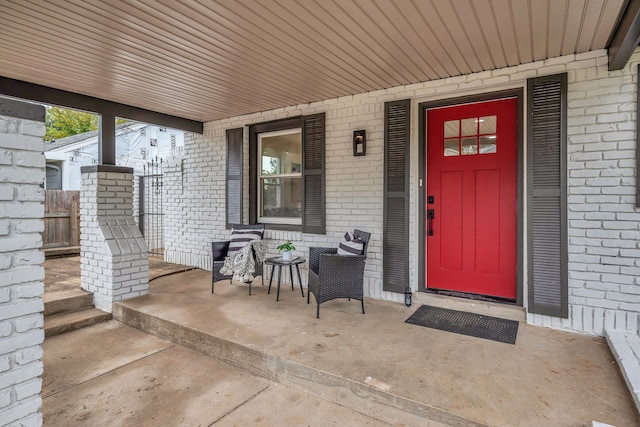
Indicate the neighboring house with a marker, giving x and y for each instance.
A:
(136, 144)
(517, 183)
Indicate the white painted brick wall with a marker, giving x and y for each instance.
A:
(603, 222)
(21, 273)
(114, 262)
(136, 196)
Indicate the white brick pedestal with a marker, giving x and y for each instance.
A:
(114, 259)
(22, 172)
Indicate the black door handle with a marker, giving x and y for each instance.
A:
(430, 216)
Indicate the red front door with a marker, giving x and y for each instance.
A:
(471, 198)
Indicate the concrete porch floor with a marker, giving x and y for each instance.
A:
(364, 370)
(62, 274)
(377, 365)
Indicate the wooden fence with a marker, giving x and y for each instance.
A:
(61, 219)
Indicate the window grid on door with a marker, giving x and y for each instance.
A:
(470, 136)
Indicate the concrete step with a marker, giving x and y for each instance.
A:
(485, 308)
(625, 346)
(66, 301)
(366, 397)
(65, 322)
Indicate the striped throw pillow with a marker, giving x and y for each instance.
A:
(350, 246)
(239, 238)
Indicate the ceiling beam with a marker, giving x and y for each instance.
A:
(626, 37)
(50, 96)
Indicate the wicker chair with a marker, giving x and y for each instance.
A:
(219, 252)
(334, 276)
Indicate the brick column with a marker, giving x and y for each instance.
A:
(22, 172)
(174, 214)
(114, 259)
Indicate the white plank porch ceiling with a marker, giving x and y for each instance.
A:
(212, 59)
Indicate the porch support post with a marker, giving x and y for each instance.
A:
(114, 262)
(107, 139)
(22, 173)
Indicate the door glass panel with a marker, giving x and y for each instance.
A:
(451, 129)
(451, 147)
(469, 127)
(488, 124)
(469, 146)
(488, 144)
(478, 136)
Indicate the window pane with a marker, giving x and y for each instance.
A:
(451, 147)
(451, 129)
(488, 124)
(281, 154)
(469, 127)
(281, 197)
(488, 144)
(270, 165)
(469, 146)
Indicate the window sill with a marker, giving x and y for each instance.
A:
(283, 227)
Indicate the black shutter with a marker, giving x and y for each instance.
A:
(395, 269)
(313, 199)
(233, 192)
(547, 195)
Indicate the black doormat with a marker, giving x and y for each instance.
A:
(461, 322)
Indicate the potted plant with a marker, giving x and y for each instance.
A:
(286, 249)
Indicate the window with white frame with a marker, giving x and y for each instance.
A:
(286, 174)
(280, 177)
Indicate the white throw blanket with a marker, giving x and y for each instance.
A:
(241, 264)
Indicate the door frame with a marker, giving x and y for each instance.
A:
(423, 107)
